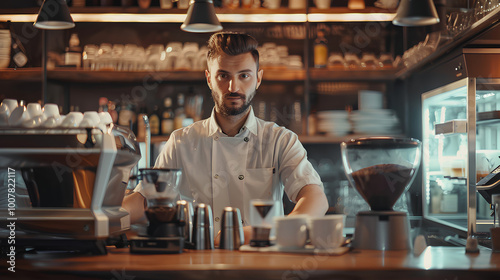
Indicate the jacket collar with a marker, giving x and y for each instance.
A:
(250, 124)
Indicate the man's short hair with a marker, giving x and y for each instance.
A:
(232, 43)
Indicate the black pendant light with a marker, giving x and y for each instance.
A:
(416, 13)
(201, 17)
(54, 15)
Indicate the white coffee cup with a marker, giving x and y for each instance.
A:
(90, 119)
(291, 231)
(52, 121)
(72, 119)
(51, 110)
(10, 103)
(34, 109)
(33, 122)
(18, 116)
(326, 233)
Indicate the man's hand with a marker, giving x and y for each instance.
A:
(311, 200)
(135, 204)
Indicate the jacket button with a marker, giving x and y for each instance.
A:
(217, 219)
(216, 176)
(241, 177)
(246, 139)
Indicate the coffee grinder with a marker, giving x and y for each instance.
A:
(165, 232)
(381, 169)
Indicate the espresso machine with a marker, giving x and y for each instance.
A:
(69, 185)
(381, 169)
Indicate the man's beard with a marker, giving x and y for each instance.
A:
(227, 111)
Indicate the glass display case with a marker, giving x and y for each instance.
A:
(461, 145)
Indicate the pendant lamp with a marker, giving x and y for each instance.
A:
(54, 15)
(416, 13)
(201, 17)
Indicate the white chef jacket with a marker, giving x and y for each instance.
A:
(257, 163)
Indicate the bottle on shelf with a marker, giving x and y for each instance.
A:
(127, 116)
(180, 113)
(320, 50)
(141, 125)
(154, 121)
(19, 54)
(167, 117)
(73, 54)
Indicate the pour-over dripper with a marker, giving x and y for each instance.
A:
(161, 186)
(161, 189)
(381, 169)
(262, 213)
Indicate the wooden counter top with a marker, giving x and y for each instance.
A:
(434, 263)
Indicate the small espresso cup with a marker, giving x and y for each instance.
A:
(291, 231)
(326, 233)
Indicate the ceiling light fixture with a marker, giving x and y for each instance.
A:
(201, 17)
(416, 13)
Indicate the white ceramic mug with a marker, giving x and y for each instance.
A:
(72, 119)
(10, 103)
(18, 116)
(326, 233)
(34, 109)
(51, 110)
(291, 231)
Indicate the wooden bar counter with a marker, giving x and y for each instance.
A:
(451, 263)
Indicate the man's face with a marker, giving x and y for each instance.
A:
(233, 81)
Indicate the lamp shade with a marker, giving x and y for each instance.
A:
(201, 17)
(416, 13)
(54, 15)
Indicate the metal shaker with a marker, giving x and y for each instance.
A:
(185, 214)
(203, 232)
(231, 229)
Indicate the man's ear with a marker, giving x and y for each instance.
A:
(260, 73)
(207, 75)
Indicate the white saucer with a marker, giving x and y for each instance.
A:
(308, 249)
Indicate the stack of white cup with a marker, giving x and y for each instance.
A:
(33, 116)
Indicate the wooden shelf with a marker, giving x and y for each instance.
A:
(352, 74)
(218, 10)
(270, 75)
(240, 15)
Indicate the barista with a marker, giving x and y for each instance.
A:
(233, 157)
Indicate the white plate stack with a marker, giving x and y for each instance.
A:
(377, 122)
(5, 42)
(335, 122)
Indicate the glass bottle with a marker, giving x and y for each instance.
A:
(73, 54)
(154, 121)
(180, 114)
(320, 50)
(167, 118)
